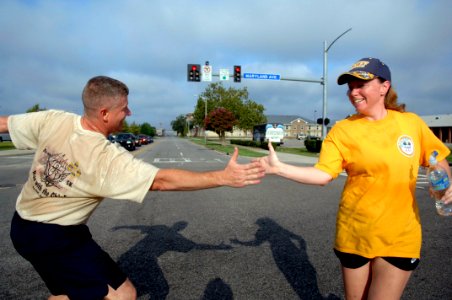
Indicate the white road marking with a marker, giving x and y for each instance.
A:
(172, 160)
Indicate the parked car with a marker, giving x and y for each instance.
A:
(4, 137)
(112, 138)
(301, 136)
(127, 140)
(137, 140)
(143, 139)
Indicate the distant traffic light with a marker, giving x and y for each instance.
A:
(193, 72)
(321, 122)
(237, 73)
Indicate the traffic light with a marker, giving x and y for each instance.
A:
(237, 73)
(193, 72)
(321, 122)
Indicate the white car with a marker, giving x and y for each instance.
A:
(301, 136)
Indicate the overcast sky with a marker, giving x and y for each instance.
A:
(50, 49)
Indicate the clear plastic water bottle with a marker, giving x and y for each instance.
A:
(439, 183)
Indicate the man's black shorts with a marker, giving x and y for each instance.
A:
(67, 258)
(353, 261)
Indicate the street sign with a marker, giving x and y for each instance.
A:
(224, 74)
(206, 73)
(261, 76)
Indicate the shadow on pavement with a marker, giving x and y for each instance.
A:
(290, 257)
(217, 289)
(141, 265)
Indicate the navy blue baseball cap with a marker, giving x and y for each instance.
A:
(366, 69)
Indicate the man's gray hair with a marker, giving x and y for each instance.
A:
(102, 91)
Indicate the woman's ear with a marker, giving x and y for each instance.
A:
(385, 87)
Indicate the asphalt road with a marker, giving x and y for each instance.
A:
(271, 241)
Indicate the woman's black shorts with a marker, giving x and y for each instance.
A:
(353, 261)
(67, 258)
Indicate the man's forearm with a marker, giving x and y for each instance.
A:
(181, 180)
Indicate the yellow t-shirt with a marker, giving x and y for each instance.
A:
(378, 213)
(73, 169)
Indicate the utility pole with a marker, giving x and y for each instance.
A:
(205, 117)
(325, 80)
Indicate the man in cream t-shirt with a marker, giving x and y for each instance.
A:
(75, 167)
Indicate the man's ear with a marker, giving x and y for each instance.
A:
(104, 114)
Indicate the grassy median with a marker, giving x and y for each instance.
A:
(227, 148)
(6, 146)
(248, 151)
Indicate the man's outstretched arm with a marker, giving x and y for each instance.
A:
(234, 175)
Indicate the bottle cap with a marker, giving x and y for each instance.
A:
(432, 160)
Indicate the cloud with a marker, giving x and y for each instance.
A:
(51, 48)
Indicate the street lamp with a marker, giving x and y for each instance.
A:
(325, 79)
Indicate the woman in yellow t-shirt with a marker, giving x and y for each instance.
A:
(378, 231)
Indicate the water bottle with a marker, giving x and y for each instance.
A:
(439, 183)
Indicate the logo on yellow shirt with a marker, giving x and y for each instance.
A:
(406, 145)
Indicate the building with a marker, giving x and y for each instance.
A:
(295, 126)
(441, 125)
(160, 131)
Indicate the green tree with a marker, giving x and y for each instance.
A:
(134, 128)
(137, 128)
(147, 129)
(247, 112)
(251, 114)
(35, 108)
(220, 120)
(180, 125)
(125, 126)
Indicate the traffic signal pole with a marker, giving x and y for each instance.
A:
(302, 80)
(323, 81)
